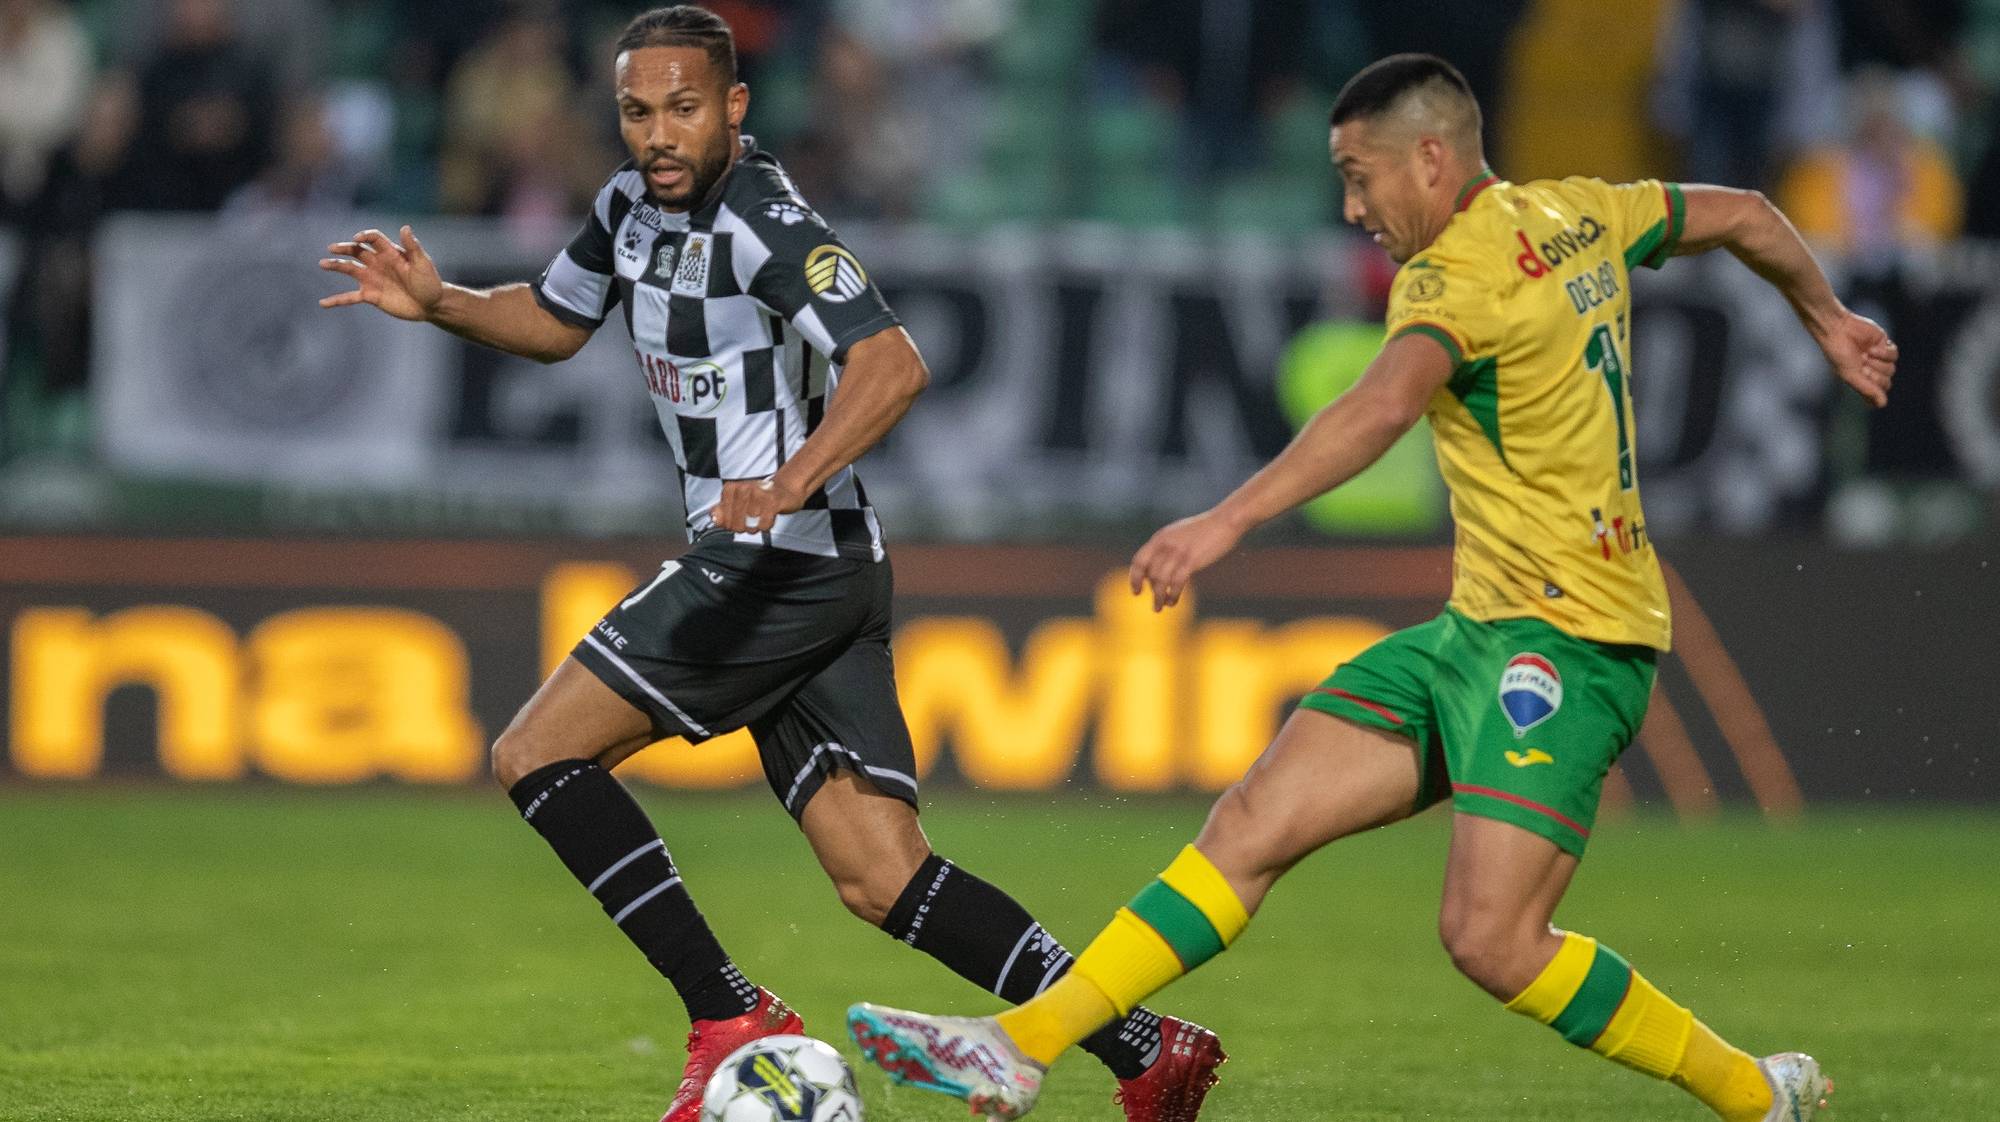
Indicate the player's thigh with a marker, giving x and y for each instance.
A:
(572, 716)
(1532, 719)
(723, 634)
(1323, 778)
(1501, 884)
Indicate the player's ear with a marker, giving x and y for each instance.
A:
(1431, 160)
(739, 104)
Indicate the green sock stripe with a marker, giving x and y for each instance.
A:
(1184, 927)
(1583, 1020)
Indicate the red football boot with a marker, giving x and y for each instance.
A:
(710, 1043)
(1172, 1089)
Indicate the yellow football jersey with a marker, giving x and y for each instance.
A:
(1529, 288)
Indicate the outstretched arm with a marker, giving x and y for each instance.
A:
(403, 281)
(1747, 224)
(1334, 447)
(882, 376)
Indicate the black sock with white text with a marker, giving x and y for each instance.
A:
(991, 941)
(609, 844)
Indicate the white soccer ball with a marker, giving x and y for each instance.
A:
(782, 1079)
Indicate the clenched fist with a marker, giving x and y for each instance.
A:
(751, 506)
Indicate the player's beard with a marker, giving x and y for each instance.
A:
(702, 175)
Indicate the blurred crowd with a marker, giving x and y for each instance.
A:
(1872, 121)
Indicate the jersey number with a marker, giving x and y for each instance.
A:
(1602, 355)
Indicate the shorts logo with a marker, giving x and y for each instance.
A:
(1530, 691)
(834, 275)
(1529, 758)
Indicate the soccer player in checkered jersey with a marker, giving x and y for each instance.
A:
(1508, 328)
(773, 363)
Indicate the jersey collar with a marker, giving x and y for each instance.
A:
(1478, 183)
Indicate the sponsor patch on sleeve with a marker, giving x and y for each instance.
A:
(834, 275)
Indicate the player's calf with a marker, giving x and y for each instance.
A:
(986, 937)
(1594, 998)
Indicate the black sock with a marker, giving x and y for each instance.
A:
(991, 941)
(593, 824)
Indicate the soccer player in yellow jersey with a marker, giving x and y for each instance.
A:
(1509, 328)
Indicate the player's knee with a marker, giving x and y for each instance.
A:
(513, 757)
(1238, 837)
(1486, 947)
(869, 897)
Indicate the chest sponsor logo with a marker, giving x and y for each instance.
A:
(697, 388)
(1537, 259)
(1530, 691)
(834, 275)
(691, 278)
(1628, 535)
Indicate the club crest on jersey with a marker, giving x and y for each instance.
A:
(691, 279)
(1530, 691)
(834, 275)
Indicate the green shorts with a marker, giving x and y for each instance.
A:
(1518, 720)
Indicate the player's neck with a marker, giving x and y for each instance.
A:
(1459, 184)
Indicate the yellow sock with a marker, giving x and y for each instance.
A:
(1058, 1017)
(1724, 1076)
(1173, 925)
(1597, 1001)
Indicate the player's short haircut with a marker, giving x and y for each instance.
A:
(1426, 89)
(684, 25)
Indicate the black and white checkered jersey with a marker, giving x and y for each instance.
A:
(741, 313)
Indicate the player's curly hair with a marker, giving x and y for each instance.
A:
(684, 25)
(1384, 83)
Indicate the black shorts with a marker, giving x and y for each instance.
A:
(794, 646)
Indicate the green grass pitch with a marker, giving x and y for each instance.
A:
(176, 954)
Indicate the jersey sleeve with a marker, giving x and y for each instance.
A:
(578, 286)
(795, 265)
(1647, 216)
(1452, 300)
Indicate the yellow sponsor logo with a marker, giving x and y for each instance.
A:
(1529, 758)
(833, 274)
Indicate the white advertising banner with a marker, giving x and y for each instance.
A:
(1080, 375)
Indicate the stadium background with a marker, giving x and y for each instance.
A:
(272, 577)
